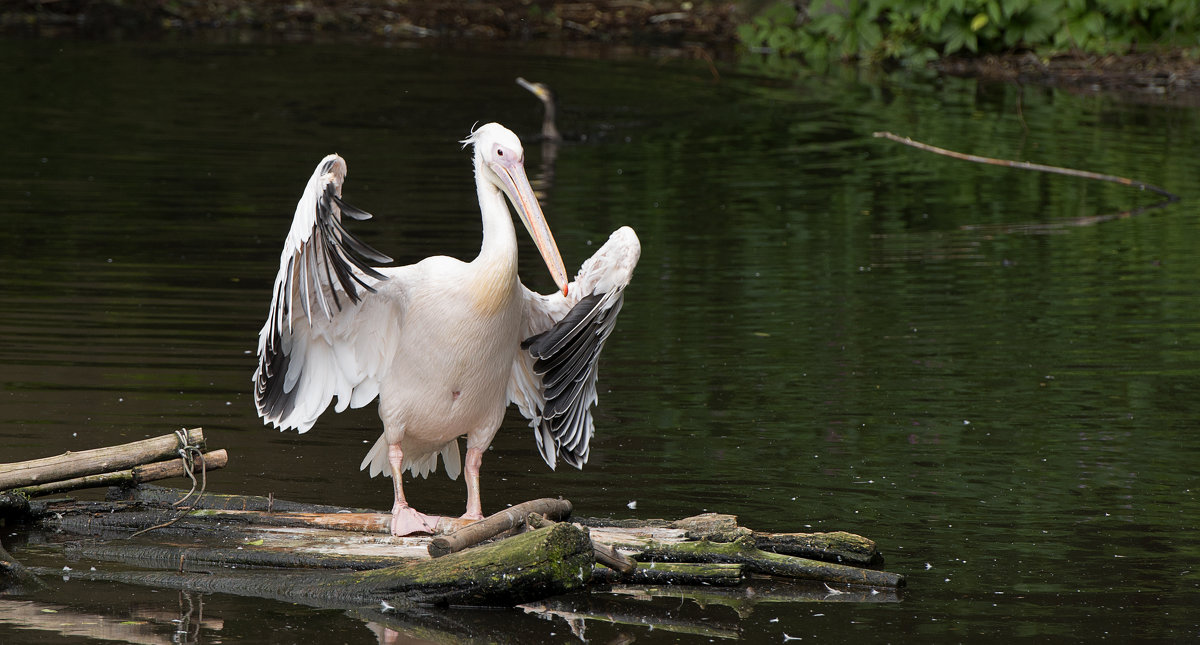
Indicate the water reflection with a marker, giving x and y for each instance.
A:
(143, 625)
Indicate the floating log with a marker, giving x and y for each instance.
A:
(523, 568)
(838, 547)
(131, 477)
(743, 551)
(70, 465)
(494, 525)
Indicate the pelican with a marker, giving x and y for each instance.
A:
(445, 345)
(540, 90)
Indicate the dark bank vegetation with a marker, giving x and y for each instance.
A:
(914, 32)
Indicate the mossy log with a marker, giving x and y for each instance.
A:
(526, 567)
(91, 462)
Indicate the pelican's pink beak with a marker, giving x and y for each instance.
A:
(520, 193)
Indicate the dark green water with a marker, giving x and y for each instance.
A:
(826, 330)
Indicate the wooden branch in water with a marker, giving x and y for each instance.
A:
(1025, 165)
(743, 551)
(91, 462)
(493, 525)
(133, 476)
(838, 546)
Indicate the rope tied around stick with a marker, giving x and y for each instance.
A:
(189, 454)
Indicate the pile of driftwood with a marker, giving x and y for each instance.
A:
(332, 556)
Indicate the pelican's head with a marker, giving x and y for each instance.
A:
(500, 161)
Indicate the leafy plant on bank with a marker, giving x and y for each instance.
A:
(913, 32)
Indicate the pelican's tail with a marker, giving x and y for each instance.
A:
(420, 465)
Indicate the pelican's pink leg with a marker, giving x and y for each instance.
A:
(474, 506)
(405, 519)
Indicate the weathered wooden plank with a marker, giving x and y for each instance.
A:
(90, 462)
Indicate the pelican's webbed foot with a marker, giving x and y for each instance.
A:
(407, 520)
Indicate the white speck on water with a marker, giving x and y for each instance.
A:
(632, 505)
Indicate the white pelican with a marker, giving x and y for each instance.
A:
(444, 344)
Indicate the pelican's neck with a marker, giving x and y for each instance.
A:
(498, 253)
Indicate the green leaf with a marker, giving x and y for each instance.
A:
(979, 21)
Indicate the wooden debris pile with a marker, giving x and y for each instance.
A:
(332, 556)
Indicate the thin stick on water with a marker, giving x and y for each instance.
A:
(1025, 165)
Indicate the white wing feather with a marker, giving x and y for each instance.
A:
(554, 382)
(327, 331)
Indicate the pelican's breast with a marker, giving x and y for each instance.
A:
(460, 335)
(492, 287)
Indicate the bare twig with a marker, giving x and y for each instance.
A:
(1025, 165)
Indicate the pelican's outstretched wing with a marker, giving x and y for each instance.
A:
(554, 380)
(317, 340)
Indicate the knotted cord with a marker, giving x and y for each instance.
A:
(189, 454)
